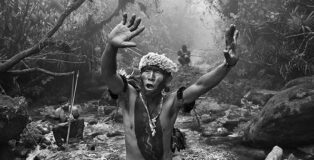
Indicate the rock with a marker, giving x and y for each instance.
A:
(207, 133)
(91, 147)
(34, 134)
(298, 81)
(113, 156)
(206, 118)
(115, 133)
(13, 117)
(221, 131)
(275, 154)
(292, 157)
(259, 97)
(233, 117)
(92, 122)
(307, 149)
(286, 119)
(231, 124)
(216, 140)
(252, 153)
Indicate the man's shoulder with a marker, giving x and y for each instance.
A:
(134, 82)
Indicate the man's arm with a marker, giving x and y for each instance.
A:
(119, 37)
(205, 83)
(109, 67)
(211, 79)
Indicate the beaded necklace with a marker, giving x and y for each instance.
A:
(152, 122)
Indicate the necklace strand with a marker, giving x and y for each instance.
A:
(152, 122)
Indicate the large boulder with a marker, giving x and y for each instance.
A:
(298, 81)
(13, 117)
(286, 118)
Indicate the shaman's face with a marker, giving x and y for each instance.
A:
(152, 80)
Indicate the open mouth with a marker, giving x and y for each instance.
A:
(149, 86)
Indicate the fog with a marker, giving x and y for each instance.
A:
(193, 24)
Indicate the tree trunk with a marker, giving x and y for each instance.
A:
(45, 41)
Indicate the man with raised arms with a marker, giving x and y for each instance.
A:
(149, 110)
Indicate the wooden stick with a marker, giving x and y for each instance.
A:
(18, 72)
(72, 102)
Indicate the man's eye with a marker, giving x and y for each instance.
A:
(158, 72)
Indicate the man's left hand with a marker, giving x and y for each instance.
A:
(231, 37)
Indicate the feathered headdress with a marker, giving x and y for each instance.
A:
(161, 61)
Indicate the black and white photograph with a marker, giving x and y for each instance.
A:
(156, 79)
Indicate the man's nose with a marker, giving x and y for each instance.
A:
(151, 75)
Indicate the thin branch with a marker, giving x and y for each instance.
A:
(132, 51)
(18, 72)
(58, 53)
(56, 60)
(306, 45)
(304, 4)
(72, 7)
(26, 65)
(301, 34)
(304, 40)
(43, 42)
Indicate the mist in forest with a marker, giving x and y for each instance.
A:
(197, 27)
(190, 23)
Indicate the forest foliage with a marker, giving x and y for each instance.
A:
(277, 34)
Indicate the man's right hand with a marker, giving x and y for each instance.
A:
(125, 31)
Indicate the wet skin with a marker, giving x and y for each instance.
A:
(140, 144)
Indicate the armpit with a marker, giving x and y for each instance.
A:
(186, 107)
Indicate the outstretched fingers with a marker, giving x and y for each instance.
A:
(134, 28)
(130, 30)
(124, 18)
(231, 37)
(137, 32)
(132, 21)
(136, 24)
(235, 37)
(128, 44)
(232, 30)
